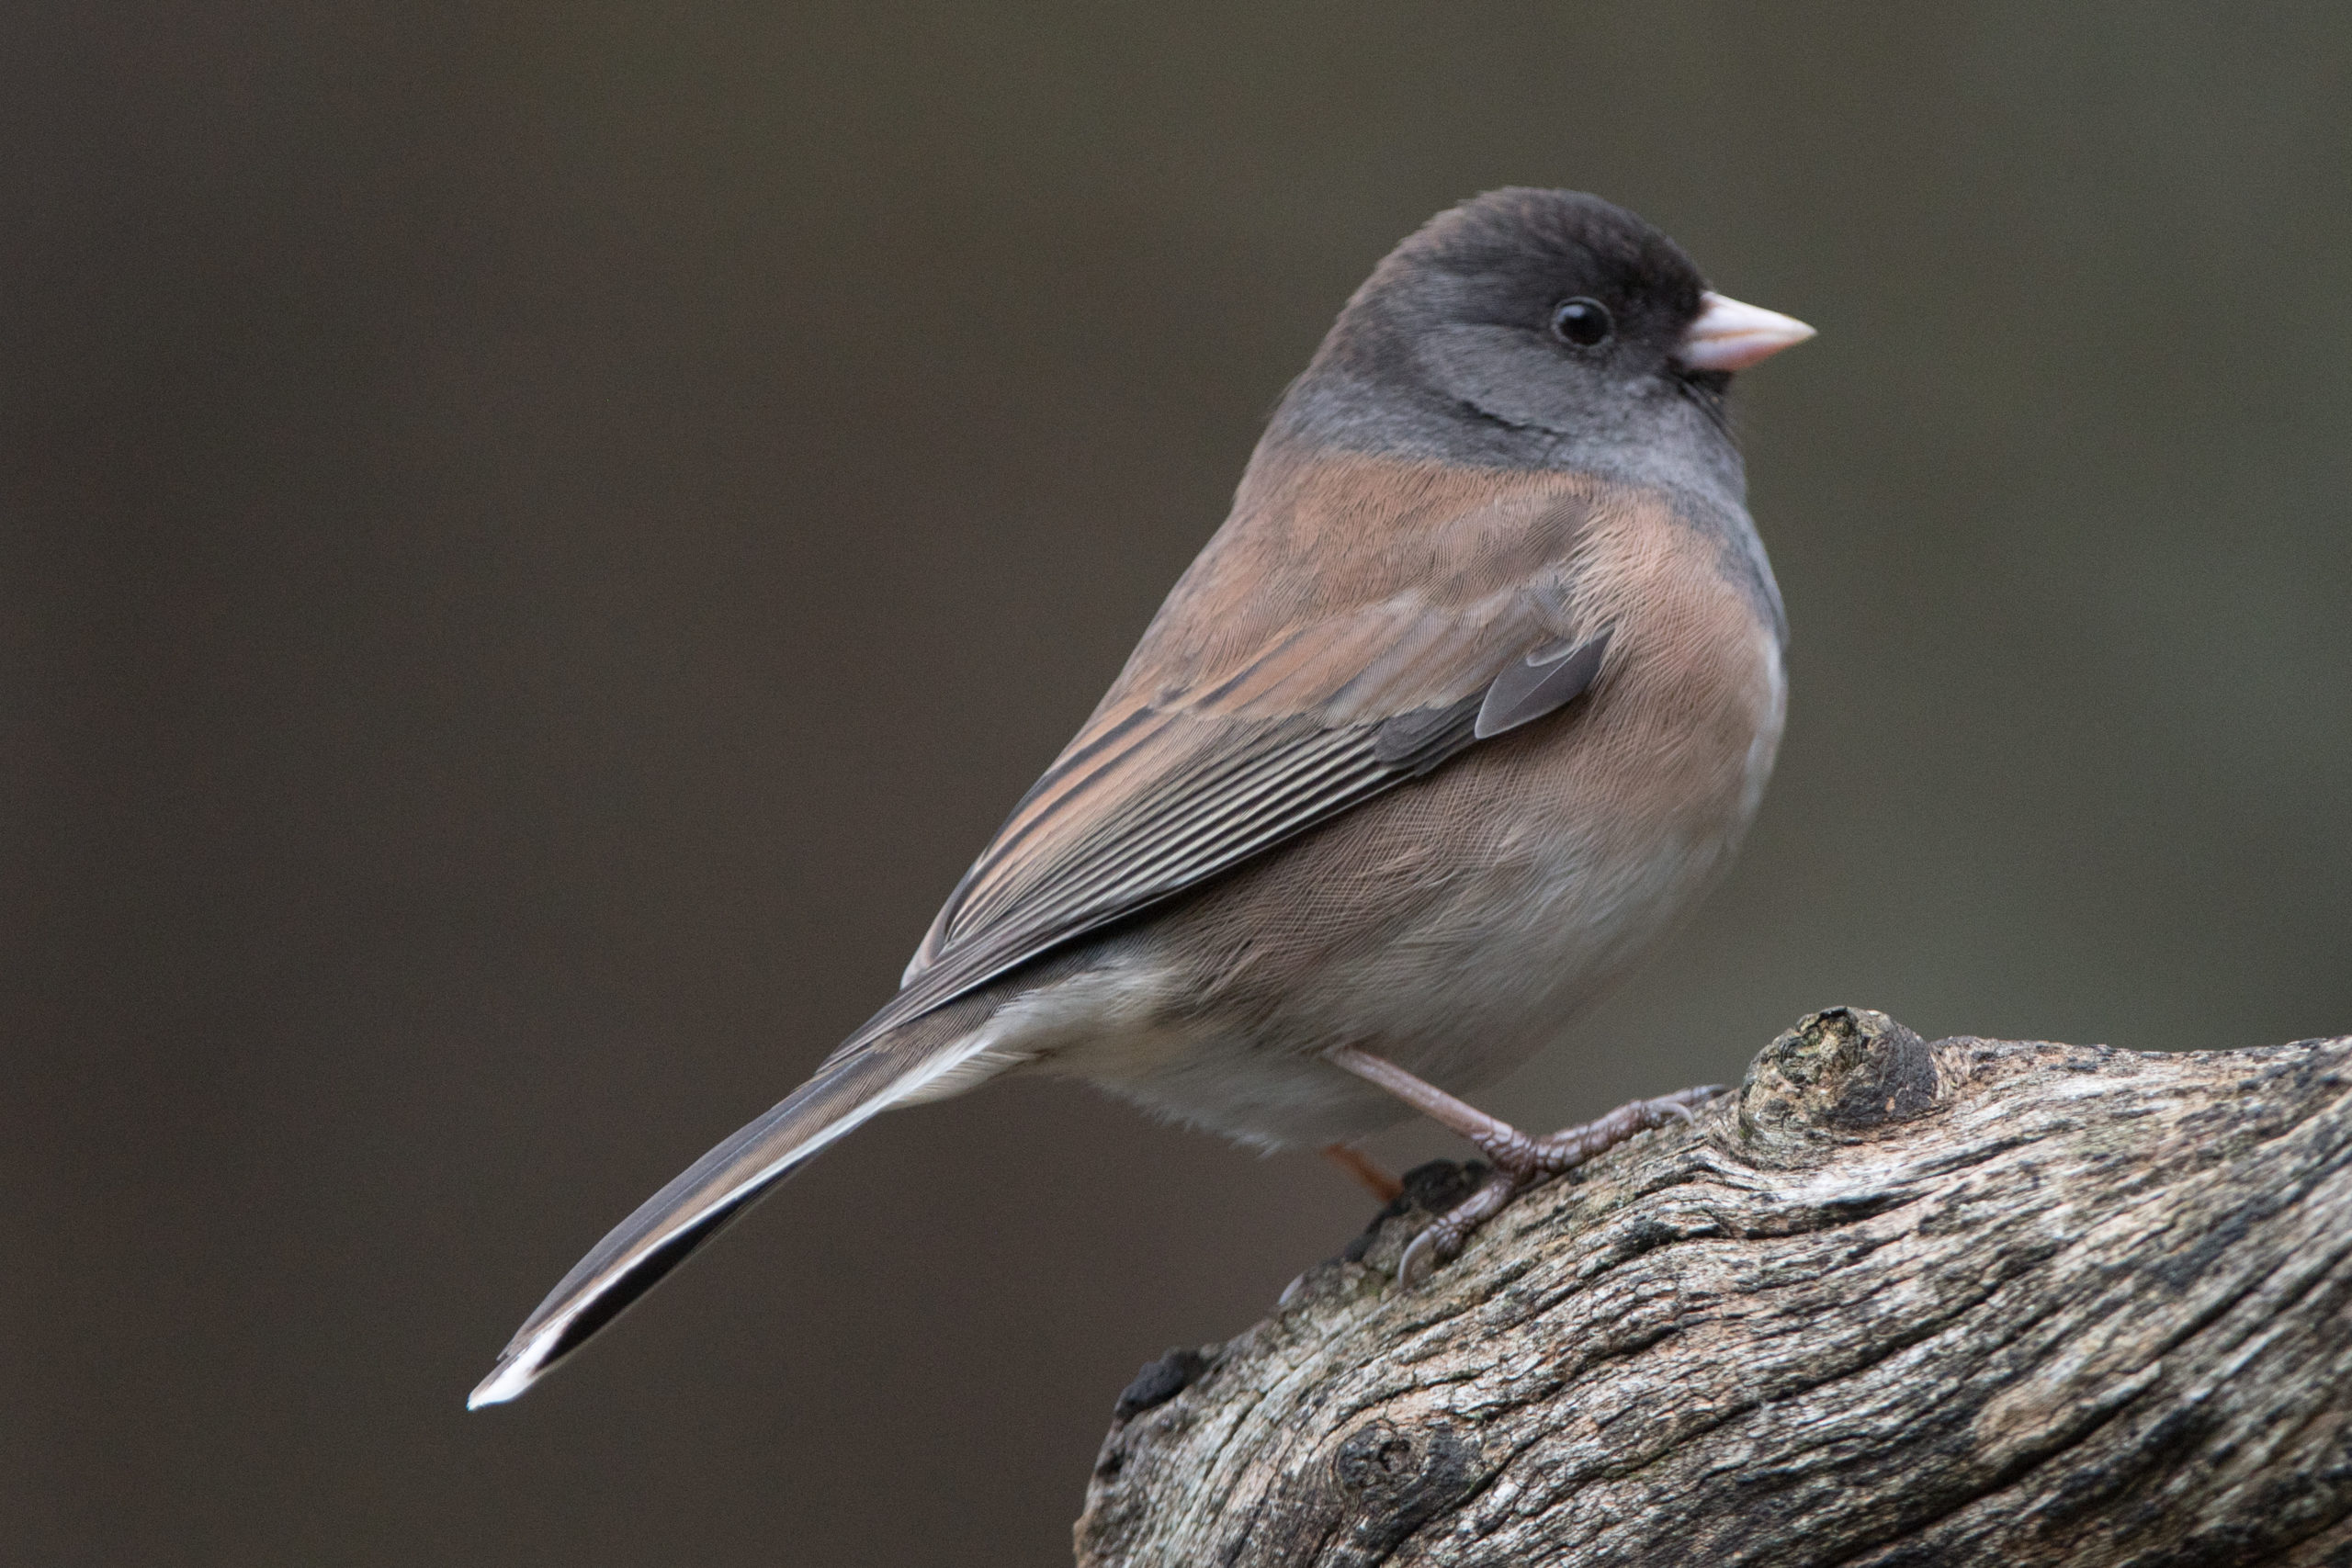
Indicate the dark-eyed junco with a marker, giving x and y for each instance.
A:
(1475, 689)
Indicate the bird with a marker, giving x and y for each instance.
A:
(1473, 692)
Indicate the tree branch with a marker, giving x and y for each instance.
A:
(1974, 1302)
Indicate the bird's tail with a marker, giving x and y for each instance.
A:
(926, 1059)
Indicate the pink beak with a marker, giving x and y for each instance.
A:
(1729, 335)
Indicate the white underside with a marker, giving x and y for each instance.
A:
(1459, 1002)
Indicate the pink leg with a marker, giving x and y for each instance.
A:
(1517, 1158)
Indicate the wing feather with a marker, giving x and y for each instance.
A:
(1157, 797)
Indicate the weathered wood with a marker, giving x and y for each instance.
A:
(1974, 1302)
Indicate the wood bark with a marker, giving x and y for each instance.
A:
(1890, 1302)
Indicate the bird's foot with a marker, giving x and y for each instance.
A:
(1442, 1241)
(1519, 1160)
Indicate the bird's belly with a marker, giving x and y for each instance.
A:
(1498, 971)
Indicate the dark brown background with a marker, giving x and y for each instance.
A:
(540, 538)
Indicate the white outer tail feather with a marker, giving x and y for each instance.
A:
(687, 1212)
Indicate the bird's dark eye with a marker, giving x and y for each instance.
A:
(1582, 321)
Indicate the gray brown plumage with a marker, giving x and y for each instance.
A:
(1475, 689)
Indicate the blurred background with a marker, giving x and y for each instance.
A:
(536, 541)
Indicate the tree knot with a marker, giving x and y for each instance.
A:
(1842, 1074)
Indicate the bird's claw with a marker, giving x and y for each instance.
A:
(1421, 1259)
(1681, 1105)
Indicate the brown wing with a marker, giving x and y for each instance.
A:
(1155, 796)
(1162, 792)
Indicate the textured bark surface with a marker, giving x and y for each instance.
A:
(1972, 1301)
